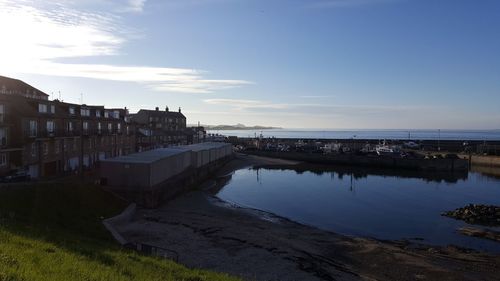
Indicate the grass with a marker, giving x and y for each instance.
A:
(54, 232)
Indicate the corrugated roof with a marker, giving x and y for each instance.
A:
(147, 157)
(202, 146)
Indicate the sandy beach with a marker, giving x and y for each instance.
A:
(211, 234)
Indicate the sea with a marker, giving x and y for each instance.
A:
(395, 134)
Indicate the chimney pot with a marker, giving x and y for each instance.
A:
(157, 108)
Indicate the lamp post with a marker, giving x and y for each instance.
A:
(439, 139)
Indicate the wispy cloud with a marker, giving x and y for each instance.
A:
(241, 104)
(315, 97)
(313, 108)
(135, 5)
(42, 35)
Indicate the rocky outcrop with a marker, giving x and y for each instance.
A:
(477, 214)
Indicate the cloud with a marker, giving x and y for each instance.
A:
(41, 36)
(241, 104)
(135, 5)
(315, 97)
(245, 105)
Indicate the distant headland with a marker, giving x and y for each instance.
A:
(238, 127)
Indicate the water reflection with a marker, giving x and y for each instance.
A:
(363, 172)
(377, 203)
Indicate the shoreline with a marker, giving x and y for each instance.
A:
(210, 233)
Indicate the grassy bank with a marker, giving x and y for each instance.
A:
(54, 232)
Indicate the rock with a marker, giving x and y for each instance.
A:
(477, 214)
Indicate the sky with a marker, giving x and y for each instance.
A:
(357, 64)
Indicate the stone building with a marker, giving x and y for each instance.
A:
(159, 128)
(47, 138)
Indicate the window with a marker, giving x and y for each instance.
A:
(85, 112)
(116, 114)
(128, 130)
(33, 128)
(33, 149)
(85, 126)
(119, 127)
(57, 147)
(45, 148)
(2, 112)
(3, 90)
(42, 108)
(99, 127)
(51, 126)
(3, 159)
(3, 136)
(72, 110)
(110, 127)
(97, 113)
(70, 126)
(106, 114)
(52, 109)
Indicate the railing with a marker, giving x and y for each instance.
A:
(154, 250)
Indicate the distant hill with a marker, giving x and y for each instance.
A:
(237, 127)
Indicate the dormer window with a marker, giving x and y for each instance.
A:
(85, 112)
(72, 110)
(42, 108)
(97, 113)
(52, 109)
(106, 114)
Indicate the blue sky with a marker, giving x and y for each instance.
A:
(401, 64)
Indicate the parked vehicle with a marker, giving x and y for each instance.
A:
(18, 176)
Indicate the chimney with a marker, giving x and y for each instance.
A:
(156, 108)
(179, 110)
(166, 108)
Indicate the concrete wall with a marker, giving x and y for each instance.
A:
(166, 168)
(485, 160)
(385, 162)
(126, 175)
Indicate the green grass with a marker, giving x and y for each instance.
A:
(54, 232)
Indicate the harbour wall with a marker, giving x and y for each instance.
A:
(371, 161)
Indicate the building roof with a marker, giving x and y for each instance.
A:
(147, 157)
(161, 113)
(202, 146)
(18, 87)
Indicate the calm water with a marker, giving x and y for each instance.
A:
(368, 204)
(367, 134)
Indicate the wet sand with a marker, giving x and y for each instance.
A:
(211, 234)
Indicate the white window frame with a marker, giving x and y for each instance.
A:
(51, 126)
(3, 159)
(42, 108)
(52, 109)
(2, 112)
(72, 110)
(33, 130)
(45, 148)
